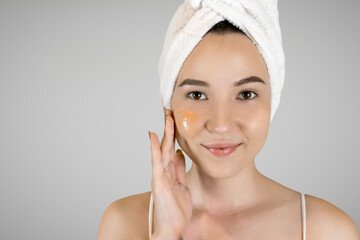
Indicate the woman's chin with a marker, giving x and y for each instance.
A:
(216, 173)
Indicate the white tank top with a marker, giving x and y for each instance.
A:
(303, 216)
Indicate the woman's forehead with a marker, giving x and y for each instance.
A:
(231, 56)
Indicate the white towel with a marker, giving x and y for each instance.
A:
(258, 19)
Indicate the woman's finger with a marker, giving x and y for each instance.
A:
(180, 168)
(163, 138)
(166, 113)
(168, 144)
(156, 161)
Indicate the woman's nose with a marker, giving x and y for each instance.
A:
(220, 120)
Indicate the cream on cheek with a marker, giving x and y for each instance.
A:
(186, 122)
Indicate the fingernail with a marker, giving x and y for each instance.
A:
(149, 135)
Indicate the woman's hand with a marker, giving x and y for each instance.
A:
(172, 199)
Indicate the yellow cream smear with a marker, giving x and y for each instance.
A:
(187, 115)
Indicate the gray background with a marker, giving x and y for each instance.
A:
(79, 91)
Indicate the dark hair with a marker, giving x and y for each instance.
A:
(224, 27)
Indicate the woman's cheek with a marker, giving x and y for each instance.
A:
(258, 124)
(186, 122)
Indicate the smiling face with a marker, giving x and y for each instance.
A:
(222, 95)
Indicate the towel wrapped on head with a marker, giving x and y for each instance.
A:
(258, 19)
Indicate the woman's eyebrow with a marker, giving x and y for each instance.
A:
(240, 82)
(194, 82)
(248, 80)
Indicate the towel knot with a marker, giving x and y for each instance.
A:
(195, 4)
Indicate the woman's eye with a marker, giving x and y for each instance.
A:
(196, 95)
(247, 95)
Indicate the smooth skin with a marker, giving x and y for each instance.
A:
(220, 197)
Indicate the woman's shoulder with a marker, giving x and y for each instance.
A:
(126, 218)
(326, 221)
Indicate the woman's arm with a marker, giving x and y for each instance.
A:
(325, 221)
(115, 223)
(126, 218)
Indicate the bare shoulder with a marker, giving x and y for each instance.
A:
(126, 218)
(326, 221)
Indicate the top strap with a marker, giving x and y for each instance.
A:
(150, 215)
(303, 216)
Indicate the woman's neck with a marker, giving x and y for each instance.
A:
(227, 196)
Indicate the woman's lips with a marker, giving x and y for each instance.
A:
(221, 149)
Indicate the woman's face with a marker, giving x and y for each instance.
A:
(212, 105)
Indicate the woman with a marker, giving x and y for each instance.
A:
(219, 108)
